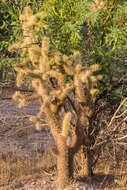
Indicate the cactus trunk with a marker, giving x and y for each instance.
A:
(62, 162)
(87, 163)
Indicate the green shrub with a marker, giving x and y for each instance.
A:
(96, 29)
(65, 20)
(10, 30)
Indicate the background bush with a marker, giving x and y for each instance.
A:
(96, 29)
(10, 31)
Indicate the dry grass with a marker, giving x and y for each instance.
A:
(113, 175)
(14, 169)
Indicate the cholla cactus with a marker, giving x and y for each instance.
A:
(48, 70)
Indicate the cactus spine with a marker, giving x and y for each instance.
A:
(44, 64)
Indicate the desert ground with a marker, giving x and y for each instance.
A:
(26, 162)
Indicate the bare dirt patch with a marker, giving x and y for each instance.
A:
(17, 133)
